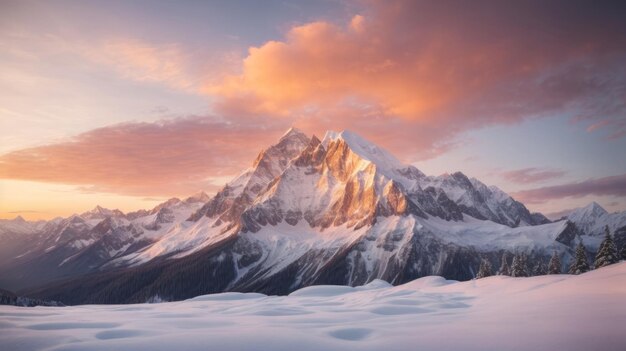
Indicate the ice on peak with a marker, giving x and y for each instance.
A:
(198, 197)
(293, 132)
(498, 193)
(169, 202)
(365, 149)
(99, 211)
(593, 209)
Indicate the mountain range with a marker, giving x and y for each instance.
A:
(340, 210)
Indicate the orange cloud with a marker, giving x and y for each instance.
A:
(437, 69)
(167, 158)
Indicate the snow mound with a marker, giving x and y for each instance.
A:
(556, 312)
(230, 296)
(428, 282)
(323, 291)
(375, 284)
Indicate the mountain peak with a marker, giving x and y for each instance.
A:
(198, 197)
(592, 210)
(365, 149)
(291, 132)
(100, 212)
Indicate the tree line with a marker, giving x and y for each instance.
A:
(607, 254)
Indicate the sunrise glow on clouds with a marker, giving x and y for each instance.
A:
(143, 113)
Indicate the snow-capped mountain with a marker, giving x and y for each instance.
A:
(340, 210)
(592, 219)
(40, 252)
(590, 222)
(100, 213)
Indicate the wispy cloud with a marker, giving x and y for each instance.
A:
(606, 186)
(531, 175)
(172, 64)
(136, 60)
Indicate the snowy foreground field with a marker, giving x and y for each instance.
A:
(586, 312)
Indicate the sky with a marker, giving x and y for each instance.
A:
(124, 104)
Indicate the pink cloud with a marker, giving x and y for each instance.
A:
(166, 158)
(606, 186)
(597, 125)
(531, 175)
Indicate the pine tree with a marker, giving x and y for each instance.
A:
(525, 266)
(554, 267)
(623, 254)
(504, 266)
(540, 268)
(485, 269)
(519, 268)
(607, 253)
(579, 265)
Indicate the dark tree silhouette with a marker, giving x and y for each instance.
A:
(607, 252)
(485, 269)
(580, 264)
(554, 267)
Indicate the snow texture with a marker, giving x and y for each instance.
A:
(555, 312)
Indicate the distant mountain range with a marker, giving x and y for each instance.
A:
(339, 210)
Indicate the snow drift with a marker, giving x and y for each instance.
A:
(556, 312)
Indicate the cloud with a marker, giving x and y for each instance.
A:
(171, 64)
(409, 75)
(606, 186)
(141, 61)
(437, 69)
(165, 158)
(531, 175)
(24, 211)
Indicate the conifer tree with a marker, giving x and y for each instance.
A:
(540, 268)
(519, 268)
(623, 253)
(504, 266)
(554, 267)
(580, 264)
(485, 269)
(607, 253)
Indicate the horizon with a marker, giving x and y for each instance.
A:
(123, 105)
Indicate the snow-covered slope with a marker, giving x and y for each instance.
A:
(545, 313)
(45, 251)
